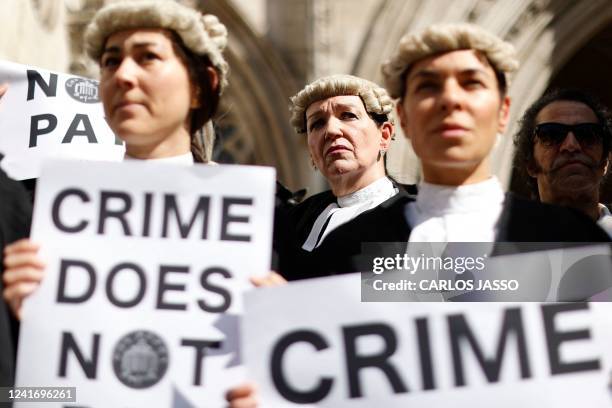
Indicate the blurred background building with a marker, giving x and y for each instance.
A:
(276, 46)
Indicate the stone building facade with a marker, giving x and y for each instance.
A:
(276, 46)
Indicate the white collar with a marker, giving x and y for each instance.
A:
(435, 199)
(186, 159)
(603, 211)
(381, 187)
(348, 208)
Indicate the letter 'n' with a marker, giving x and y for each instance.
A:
(69, 344)
(34, 77)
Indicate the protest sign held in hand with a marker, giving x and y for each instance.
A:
(147, 263)
(49, 114)
(326, 348)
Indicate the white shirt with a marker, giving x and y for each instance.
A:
(186, 159)
(467, 213)
(605, 219)
(347, 208)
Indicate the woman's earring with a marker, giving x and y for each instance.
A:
(195, 103)
(381, 154)
(195, 99)
(314, 166)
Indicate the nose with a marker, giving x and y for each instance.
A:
(125, 74)
(450, 95)
(333, 128)
(570, 143)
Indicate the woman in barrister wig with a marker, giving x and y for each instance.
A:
(346, 122)
(451, 81)
(161, 76)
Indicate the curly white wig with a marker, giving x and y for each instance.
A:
(375, 98)
(202, 34)
(441, 38)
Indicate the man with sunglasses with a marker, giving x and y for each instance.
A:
(563, 149)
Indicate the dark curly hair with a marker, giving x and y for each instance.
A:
(524, 138)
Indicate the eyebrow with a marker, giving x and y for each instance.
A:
(312, 115)
(115, 49)
(430, 73)
(337, 105)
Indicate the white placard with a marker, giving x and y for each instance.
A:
(315, 341)
(50, 114)
(146, 267)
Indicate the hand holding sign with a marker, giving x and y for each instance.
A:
(23, 272)
(144, 279)
(243, 396)
(3, 88)
(271, 279)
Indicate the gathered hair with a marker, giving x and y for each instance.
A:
(201, 131)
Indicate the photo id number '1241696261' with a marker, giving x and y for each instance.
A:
(37, 394)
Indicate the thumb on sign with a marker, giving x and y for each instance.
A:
(3, 88)
(271, 279)
(24, 270)
(243, 396)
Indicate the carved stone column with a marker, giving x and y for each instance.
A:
(79, 15)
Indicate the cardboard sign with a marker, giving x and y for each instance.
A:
(313, 343)
(146, 265)
(48, 114)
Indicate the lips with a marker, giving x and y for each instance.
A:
(124, 104)
(127, 103)
(336, 149)
(451, 130)
(572, 164)
(572, 161)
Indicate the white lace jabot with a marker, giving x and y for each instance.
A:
(467, 213)
(605, 219)
(347, 208)
(376, 190)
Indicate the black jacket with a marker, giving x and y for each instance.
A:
(345, 249)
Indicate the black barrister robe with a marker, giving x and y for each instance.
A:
(15, 217)
(521, 221)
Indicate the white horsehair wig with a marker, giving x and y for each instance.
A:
(203, 35)
(442, 38)
(375, 98)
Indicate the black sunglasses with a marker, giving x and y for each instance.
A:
(587, 134)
